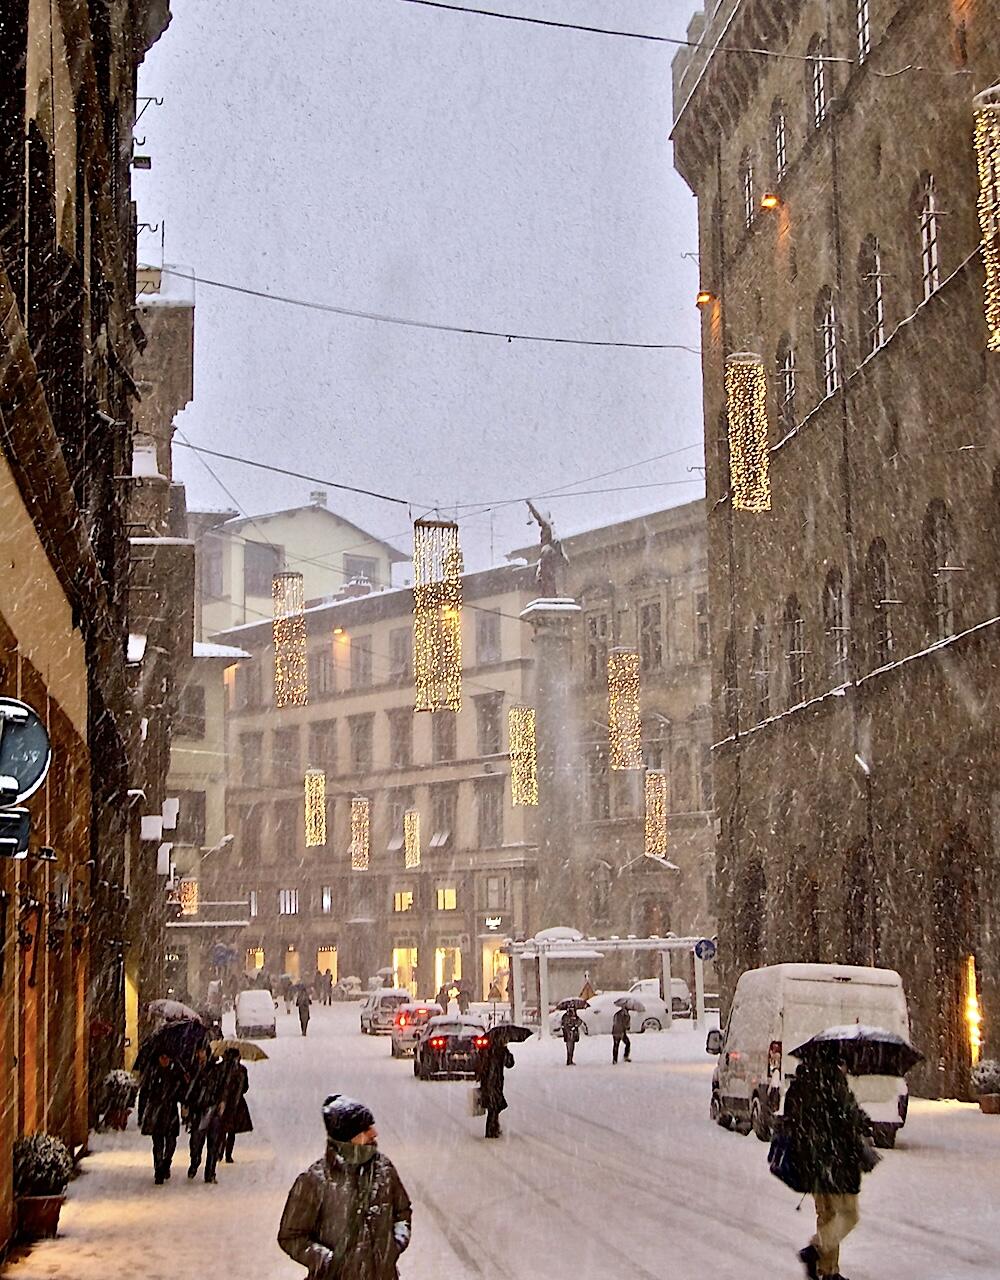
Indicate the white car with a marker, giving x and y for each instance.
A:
(599, 1014)
(379, 1009)
(255, 1014)
(680, 994)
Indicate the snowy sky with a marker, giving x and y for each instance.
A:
(390, 157)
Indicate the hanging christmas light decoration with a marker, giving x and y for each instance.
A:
(746, 405)
(656, 813)
(973, 1013)
(523, 755)
(411, 838)
(291, 688)
(624, 729)
(187, 894)
(987, 136)
(437, 615)
(360, 833)
(315, 808)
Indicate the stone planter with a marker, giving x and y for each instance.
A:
(989, 1103)
(38, 1216)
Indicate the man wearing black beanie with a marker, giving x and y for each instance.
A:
(348, 1216)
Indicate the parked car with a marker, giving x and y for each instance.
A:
(410, 1020)
(449, 1046)
(379, 1009)
(779, 1007)
(680, 994)
(347, 989)
(255, 1015)
(600, 1012)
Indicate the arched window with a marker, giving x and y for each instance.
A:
(930, 226)
(863, 27)
(835, 625)
(871, 316)
(680, 782)
(941, 567)
(819, 99)
(880, 602)
(746, 186)
(655, 741)
(784, 368)
(779, 137)
(827, 353)
(794, 640)
(601, 891)
(760, 669)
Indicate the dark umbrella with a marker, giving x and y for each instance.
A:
(179, 1040)
(507, 1033)
(574, 1002)
(864, 1050)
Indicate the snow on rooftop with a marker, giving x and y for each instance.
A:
(171, 285)
(205, 649)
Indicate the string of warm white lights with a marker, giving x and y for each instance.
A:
(187, 894)
(624, 727)
(291, 688)
(987, 138)
(746, 407)
(411, 838)
(360, 833)
(437, 615)
(315, 797)
(656, 813)
(523, 755)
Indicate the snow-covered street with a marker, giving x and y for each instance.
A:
(602, 1171)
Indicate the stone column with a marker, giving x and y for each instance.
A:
(560, 770)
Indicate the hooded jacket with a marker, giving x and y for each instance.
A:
(826, 1128)
(347, 1221)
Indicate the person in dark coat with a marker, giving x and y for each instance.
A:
(619, 1035)
(489, 1071)
(828, 1138)
(464, 1000)
(234, 1116)
(328, 987)
(348, 1216)
(302, 1003)
(199, 1106)
(163, 1086)
(570, 1024)
(443, 998)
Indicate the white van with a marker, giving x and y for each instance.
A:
(255, 1014)
(776, 1009)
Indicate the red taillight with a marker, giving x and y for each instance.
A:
(437, 1042)
(401, 1020)
(774, 1057)
(481, 1042)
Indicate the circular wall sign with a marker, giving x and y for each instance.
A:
(25, 750)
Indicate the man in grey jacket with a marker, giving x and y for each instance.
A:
(348, 1216)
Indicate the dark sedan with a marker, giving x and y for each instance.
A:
(449, 1046)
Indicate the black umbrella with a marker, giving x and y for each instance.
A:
(507, 1033)
(864, 1050)
(178, 1040)
(574, 1002)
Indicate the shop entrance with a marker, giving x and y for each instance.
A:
(292, 966)
(404, 966)
(326, 958)
(494, 969)
(447, 966)
(254, 961)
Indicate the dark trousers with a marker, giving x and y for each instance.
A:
(229, 1144)
(197, 1144)
(214, 1147)
(619, 1040)
(493, 1124)
(570, 1050)
(304, 1020)
(164, 1146)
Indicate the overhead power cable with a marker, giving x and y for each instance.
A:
(408, 322)
(677, 41)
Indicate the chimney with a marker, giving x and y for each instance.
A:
(317, 498)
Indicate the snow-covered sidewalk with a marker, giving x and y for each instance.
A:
(603, 1171)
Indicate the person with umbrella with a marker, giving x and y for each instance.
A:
(348, 1215)
(570, 1025)
(302, 1003)
(199, 1105)
(234, 1114)
(163, 1086)
(492, 1062)
(619, 1034)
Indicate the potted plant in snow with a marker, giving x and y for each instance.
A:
(42, 1166)
(120, 1089)
(986, 1082)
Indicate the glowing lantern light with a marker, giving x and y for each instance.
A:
(360, 833)
(973, 1015)
(769, 200)
(315, 796)
(187, 893)
(291, 687)
(987, 138)
(746, 402)
(656, 814)
(437, 616)
(411, 838)
(704, 298)
(523, 755)
(624, 729)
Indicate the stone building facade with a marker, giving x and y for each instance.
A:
(855, 623)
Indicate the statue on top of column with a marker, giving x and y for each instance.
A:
(552, 559)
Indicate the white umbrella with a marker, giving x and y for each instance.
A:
(172, 1011)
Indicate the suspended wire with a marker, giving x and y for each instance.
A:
(677, 41)
(410, 323)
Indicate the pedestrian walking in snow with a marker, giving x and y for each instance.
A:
(163, 1086)
(464, 1000)
(328, 987)
(348, 1216)
(493, 1060)
(287, 991)
(827, 1137)
(619, 1035)
(233, 1112)
(302, 1003)
(443, 997)
(570, 1024)
(199, 1106)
